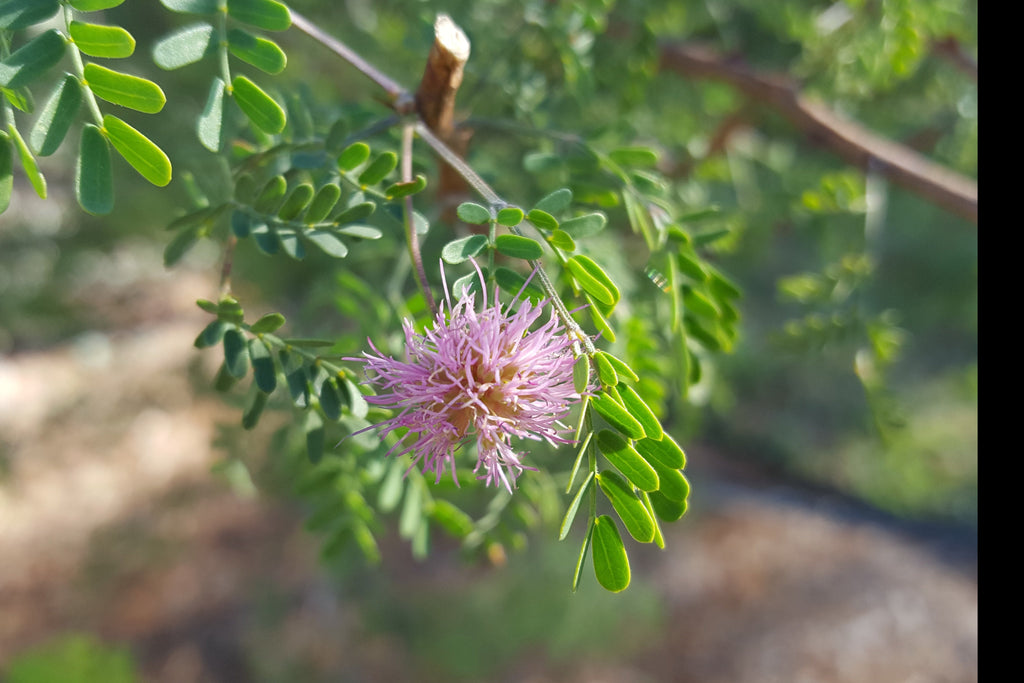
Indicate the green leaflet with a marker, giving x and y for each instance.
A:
(328, 242)
(32, 60)
(584, 226)
(124, 89)
(378, 169)
(258, 106)
(210, 127)
(542, 219)
(510, 216)
(520, 247)
(463, 249)
(611, 563)
(643, 414)
(18, 14)
(28, 162)
(58, 114)
(353, 155)
(265, 14)
(139, 151)
(630, 509)
(94, 5)
(593, 279)
(263, 54)
(97, 40)
(555, 202)
(617, 416)
(664, 452)
(191, 6)
(94, 180)
(322, 204)
(468, 212)
(264, 371)
(185, 46)
(236, 353)
(626, 460)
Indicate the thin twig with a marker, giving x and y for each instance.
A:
(401, 98)
(411, 238)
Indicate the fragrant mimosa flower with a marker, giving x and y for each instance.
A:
(482, 375)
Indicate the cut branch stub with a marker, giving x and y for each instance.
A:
(435, 98)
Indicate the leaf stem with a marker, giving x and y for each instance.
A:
(76, 60)
(411, 238)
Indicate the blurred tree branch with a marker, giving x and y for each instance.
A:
(851, 141)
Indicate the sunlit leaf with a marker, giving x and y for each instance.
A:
(265, 14)
(378, 169)
(475, 214)
(124, 89)
(630, 509)
(322, 204)
(28, 162)
(263, 54)
(139, 151)
(611, 564)
(191, 6)
(97, 40)
(94, 5)
(625, 458)
(520, 247)
(258, 106)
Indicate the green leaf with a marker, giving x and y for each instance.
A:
(322, 204)
(263, 54)
(584, 226)
(452, 519)
(384, 164)
(672, 484)
(191, 6)
(605, 371)
(94, 5)
(611, 563)
(300, 197)
(353, 155)
(561, 240)
(265, 14)
(236, 353)
(363, 232)
(60, 112)
(298, 383)
(328, 242)
(542, 219)
(468, 212)
(28, 162)
(210, 127)
(517, 246)
(630, 509)
(621, 369)
(258, 106)
(252, 413)
(21, 98)
(94, 178)
(268, 323)
(223, 381)
(182, 242)
(558, 200)
(185, 46)
(698, 304)
(626, 460)
(356, 401)
(241, 224)
(593, 279)
(6, 171)
(330, 400)
(512, 282)
(463, 249)
(689, 265)
(668, 510)
(271, 195)
(264, 371)
(640, 410)
(290, 243)
(602, 324)
(211, 335)
(581, 559)
(139, 151)
(399, 190)
(230, 310)
(32, 60)
(581, 374)
(96, 40)
(313, 425)
(634, 156)
(664, 452)
(574, 506)
(18, 14)
(510, 216)
(126, 90)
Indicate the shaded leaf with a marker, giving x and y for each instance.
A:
(264, 371)
(6, 171)
(474, 214)
(58, 114)
(94, 179)
(210, 127)
(185, 46)
(328, 242)
(574, 506)
(584, 226)
(18, 14)
(268, 323)
(32, 60)
(254, 410)
(236, 353)
(558, 200)
(191, 6)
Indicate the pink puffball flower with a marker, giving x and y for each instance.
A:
(482, 375)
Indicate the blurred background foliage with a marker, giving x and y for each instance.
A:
(856, 365)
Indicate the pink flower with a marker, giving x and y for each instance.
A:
(483, 375)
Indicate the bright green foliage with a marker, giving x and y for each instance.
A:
(473, 213)
(518, 247)
(96, 40)
(258, 106)
(138, 150)
(28, 162)
(627, 460)
(94, 5)
(94, 182)
(124, 89)
(611, 564)
(263, 54)
(265, 14)
(628, 507)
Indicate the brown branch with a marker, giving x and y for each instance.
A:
(435, 103)
(851, 141)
